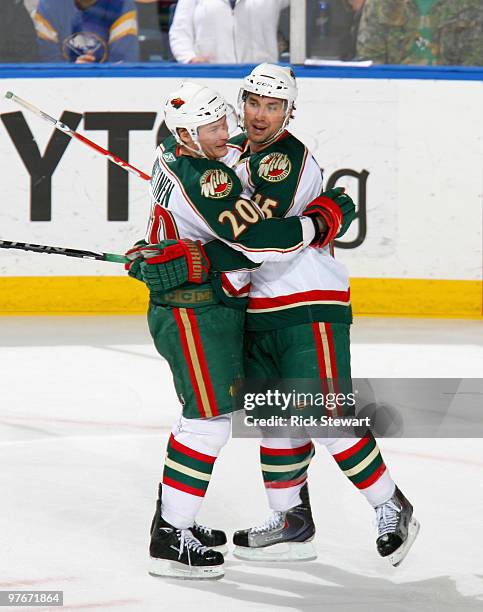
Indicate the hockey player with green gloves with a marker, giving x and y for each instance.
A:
(194, 319)
(298, 320)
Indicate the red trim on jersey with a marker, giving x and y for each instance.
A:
(345, 454)
(203, 363)
(265, 450)
(285, 484)
(226, 284)
(183, 487)
(187, 356)
(372, 478)
(154, 232)
(170, 229)
(190, 452)
(303, 296)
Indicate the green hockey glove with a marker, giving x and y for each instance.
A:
(346, 205)
(176, 263)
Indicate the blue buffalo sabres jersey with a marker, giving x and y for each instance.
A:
(107, 30)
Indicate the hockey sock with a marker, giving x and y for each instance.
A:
(190, 457)
(284, 468)
(361, 461)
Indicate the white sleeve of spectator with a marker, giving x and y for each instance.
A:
(182, 31)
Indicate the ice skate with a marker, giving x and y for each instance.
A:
(396, 528)
(285, 536)
(176, 553)
(212, 538)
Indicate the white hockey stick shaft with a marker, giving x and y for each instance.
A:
(73, 134)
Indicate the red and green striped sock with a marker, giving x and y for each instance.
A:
(186, 469)
(285, 467)
(361, 461)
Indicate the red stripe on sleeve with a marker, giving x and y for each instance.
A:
(154, 233)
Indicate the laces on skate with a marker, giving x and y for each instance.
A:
(190, 543)
(203, 529)
(272, 522)
(387, 517)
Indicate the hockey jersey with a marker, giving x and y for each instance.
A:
(202, 199)
(107, 30)
(282, 179)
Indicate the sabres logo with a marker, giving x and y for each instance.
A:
(215, 184)
(274, 167)
(177, 103)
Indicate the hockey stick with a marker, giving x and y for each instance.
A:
(52, 250)
(66, 130)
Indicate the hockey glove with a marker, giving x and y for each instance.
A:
(332, 213)
(346, 205)
(177, 262)
(134, 267)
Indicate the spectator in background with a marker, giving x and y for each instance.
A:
(349, 39)
(332, 28)
(226, 31)
(17, 33)
(87, 31)
(447, 32)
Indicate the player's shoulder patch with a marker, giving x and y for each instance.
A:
(274, 167)
(169, 157)
(216, 183)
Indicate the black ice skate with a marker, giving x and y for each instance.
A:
(212, 538)
(285, 536)
(176, 553)
(396, 528)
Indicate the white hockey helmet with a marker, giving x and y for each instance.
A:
(272, 81)
(192, 106)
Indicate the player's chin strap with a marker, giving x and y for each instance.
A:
(198, 151)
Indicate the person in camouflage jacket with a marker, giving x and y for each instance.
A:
(422, 32)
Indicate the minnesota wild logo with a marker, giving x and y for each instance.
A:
(215, 184)
(177, 103)
(274, 167)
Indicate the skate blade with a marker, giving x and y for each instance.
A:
(398, 555)
(284, 551)
(174, 569)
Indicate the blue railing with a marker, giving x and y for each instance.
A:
(222, 71)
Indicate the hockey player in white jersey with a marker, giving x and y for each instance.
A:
(298, 320)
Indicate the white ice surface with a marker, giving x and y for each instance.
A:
(85, 410)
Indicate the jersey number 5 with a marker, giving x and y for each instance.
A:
(244, 212)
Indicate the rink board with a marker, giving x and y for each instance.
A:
(407, 145)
